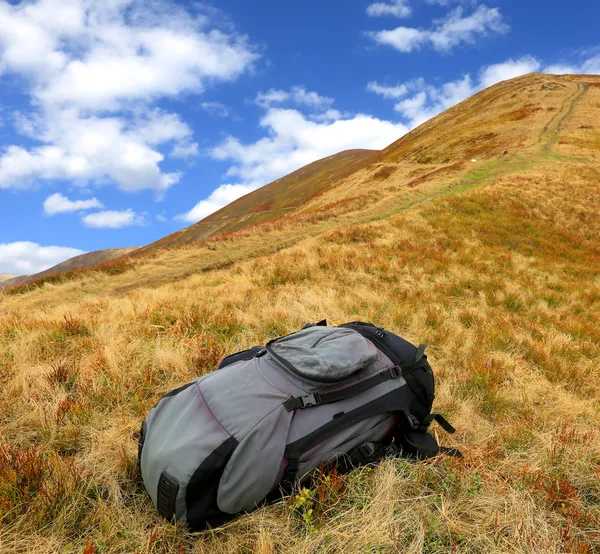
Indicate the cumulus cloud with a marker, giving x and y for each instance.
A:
(396, 91)
(58, 204)
(589, 66)
(297, 95)
(395, 8)
(446, 33)
(509, 69)
(219, 198)
(94, 71)
(185, 150)
(111, 219)
(294, 140)
(26, 258)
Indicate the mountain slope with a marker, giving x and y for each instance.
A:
(82, 261)
(495, 264)
(5, 276)
(270, 202)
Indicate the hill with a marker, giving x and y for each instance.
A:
(5, 276)
(494, 263)
(91, 259)
(270, 202)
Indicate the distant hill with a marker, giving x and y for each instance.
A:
(78, 262)
(6, 276)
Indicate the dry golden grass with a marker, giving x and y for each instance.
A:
(496, 266)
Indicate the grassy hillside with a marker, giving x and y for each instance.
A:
(5, 276)
(495, 264)
(270, 202)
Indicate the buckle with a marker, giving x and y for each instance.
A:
(367, 450)
(391, 450)
(310, 400)
(396, 372)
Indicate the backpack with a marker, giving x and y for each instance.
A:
(251, 431)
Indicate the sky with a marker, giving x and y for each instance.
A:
(123, 121)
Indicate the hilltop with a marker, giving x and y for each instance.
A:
(494, 263)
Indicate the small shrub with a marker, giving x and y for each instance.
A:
(63, 374)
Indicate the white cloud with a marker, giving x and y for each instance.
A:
(110, 219)
(509, 69)
(293, 140)
(57, 204)
(216, 108)
(220, 197)
(88, 148)
(396, 8)
(93, 71)
(397, 91)
(446, 33)
(429, 101)
(296, 95)
(591, 66)
(185, 150)
(26, 258)
(329, 115)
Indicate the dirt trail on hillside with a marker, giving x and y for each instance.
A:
(548, 135)
(482, 173)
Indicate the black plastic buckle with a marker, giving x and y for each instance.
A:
(396, 372)
(366, 450)
(391, 450)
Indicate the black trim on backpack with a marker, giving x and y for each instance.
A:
(141, 441)
(201, 492)
(322, 323)
(178, 390)
(239, 356)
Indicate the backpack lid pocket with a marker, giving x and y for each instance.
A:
(323, 354)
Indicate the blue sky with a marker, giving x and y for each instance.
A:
(125, 120)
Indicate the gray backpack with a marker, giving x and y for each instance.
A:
(344, 396)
